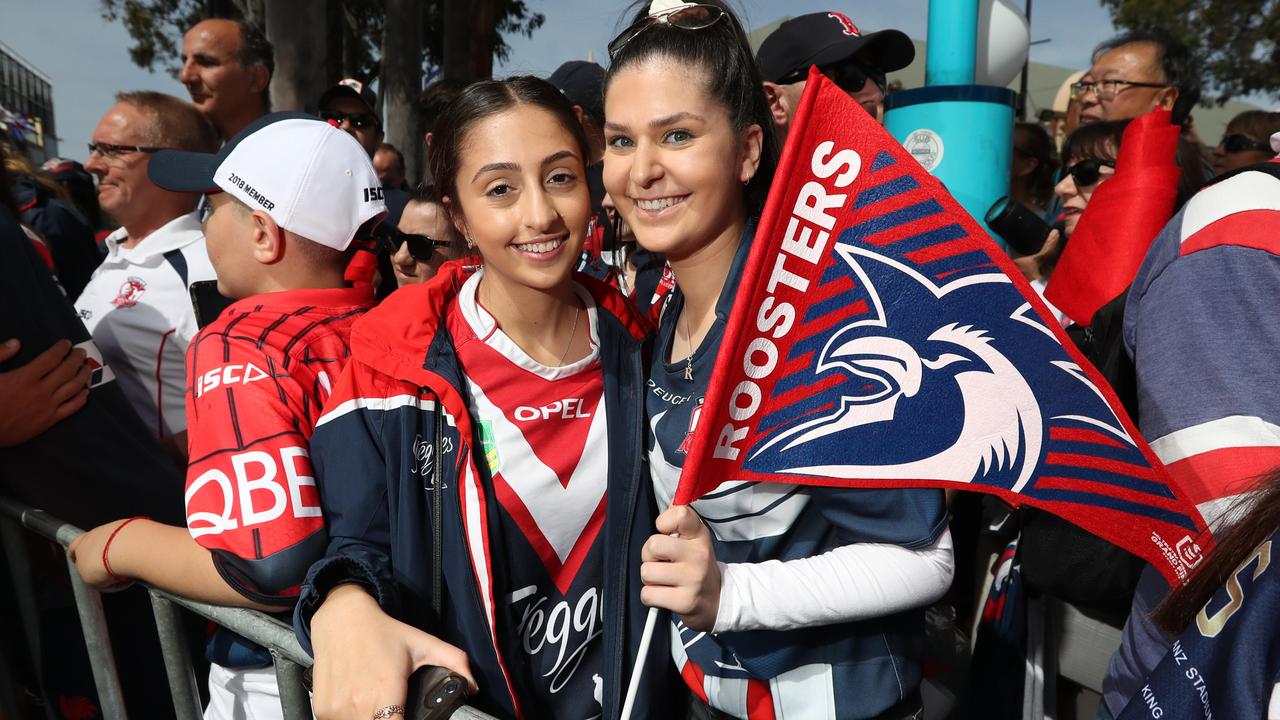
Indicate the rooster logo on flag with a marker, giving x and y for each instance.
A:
(880, 339)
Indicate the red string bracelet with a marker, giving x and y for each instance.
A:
(107, 547)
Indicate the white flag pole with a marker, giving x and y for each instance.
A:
(646, 638)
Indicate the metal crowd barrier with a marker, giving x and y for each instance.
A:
(288, 657)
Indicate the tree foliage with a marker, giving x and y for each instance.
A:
(1238, 41)
(156, 27)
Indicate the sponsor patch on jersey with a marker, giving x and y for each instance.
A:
(489, 446)
(233, 374)
(100, 374)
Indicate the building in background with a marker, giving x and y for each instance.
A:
(26, 107)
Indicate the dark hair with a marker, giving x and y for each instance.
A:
(255, 48)
(1036, 143)
(1255, 517)
(729, 68)
(1099, 141)
(433, 100)
(1175, 61)
(394, 149)
(1257, 125)
(490, 97)
(174, 123)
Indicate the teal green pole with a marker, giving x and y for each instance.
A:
(953, 42)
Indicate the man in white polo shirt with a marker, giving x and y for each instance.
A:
(137, 305)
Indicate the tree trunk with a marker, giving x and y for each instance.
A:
(401, 80)
(468, 39)
(334, 26)
(297, 30)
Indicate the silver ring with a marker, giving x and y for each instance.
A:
(386, 711)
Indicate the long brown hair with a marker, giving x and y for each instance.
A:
(1258, 514)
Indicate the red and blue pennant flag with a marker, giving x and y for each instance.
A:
(881, 339)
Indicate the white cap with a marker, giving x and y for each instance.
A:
(310, 177)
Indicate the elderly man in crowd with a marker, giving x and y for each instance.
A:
(137, 305)
(227, 67)
(1137, 72)
(856, 62)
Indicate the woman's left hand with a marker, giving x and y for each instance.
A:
(679, 569)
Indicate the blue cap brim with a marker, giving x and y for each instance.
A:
(181, 171)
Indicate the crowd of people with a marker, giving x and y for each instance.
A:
(441, 421)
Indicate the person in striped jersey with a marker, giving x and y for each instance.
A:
(785, 601)
(1202, 330)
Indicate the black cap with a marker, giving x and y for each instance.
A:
(828, 37)
(583, 83)
(351, 87)
(182, 171)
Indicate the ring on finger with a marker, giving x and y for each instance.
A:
(387, 711)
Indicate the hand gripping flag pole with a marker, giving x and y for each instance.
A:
(879, 338)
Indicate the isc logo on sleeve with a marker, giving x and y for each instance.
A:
(228, 375)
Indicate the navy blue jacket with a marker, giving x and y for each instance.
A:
(372, 452)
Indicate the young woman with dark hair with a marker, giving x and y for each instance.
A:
(479, 462)
(785, 600)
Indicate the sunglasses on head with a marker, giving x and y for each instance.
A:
(1086, 172)
(421, 247)
(687, 17)
(1236, 142)
(359, 121)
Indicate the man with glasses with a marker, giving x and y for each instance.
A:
(1134, 73)
(137, 304)
(854, 61)
(1137, 72)
(353, 107)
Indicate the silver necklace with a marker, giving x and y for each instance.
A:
(572, 332)
(688, 341)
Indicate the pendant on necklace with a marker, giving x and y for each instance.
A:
(688, 369)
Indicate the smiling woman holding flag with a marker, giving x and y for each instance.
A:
(785, 600)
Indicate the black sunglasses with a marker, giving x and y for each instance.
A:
(1086, 172)
(421, 247)
(1236, 142)
(847, 75)
(689, 17)
(358, 121)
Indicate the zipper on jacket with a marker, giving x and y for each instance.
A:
(620, 610)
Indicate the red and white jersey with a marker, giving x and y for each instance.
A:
(137, 306)
(258, 377)
(542, 432)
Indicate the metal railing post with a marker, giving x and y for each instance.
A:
(290, 660)
(295, 701)
(15, 550)
(97, 640)
(177, 658)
